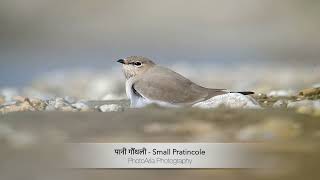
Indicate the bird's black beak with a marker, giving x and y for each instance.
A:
(121, 61)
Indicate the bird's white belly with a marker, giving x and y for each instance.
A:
(138, 102)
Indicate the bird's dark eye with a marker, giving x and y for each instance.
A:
(137, 63)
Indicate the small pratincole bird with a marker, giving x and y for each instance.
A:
(148, 83)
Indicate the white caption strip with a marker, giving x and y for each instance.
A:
(163, 155)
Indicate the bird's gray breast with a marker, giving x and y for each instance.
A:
(138, 100)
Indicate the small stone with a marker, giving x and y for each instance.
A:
(50, 108)
(262, 96)
(81, 106)
(281, 93)
(25, 106)
(18, 107)
(70, 100)
(38, 104)
(280, 104)
(110, 108)
(60, 102)
(50, 105)
(62, 105)
(310, 92)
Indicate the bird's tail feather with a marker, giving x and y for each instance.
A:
(215, 92)
(244, 92)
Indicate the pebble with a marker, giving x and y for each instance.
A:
(38, 104)
(81, 106)
(280, 104)
(111, 108)
(231, 100)
(262, 96)
(70, 100)
(274, 128)
(50, 105)
(25, 106)
(63, 105)
(17, 107)
(310, 92)
(59, 104)
(281, 93)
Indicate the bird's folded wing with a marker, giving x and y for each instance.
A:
(162, 84)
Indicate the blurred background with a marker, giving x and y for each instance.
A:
(57, 48)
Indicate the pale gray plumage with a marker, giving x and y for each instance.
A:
(162, 84)
(150, 83)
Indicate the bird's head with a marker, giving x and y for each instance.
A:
(135, 65)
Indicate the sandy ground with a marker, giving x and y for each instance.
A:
(36, 138)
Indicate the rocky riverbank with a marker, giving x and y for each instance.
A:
(30, 127)
(306, 101)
